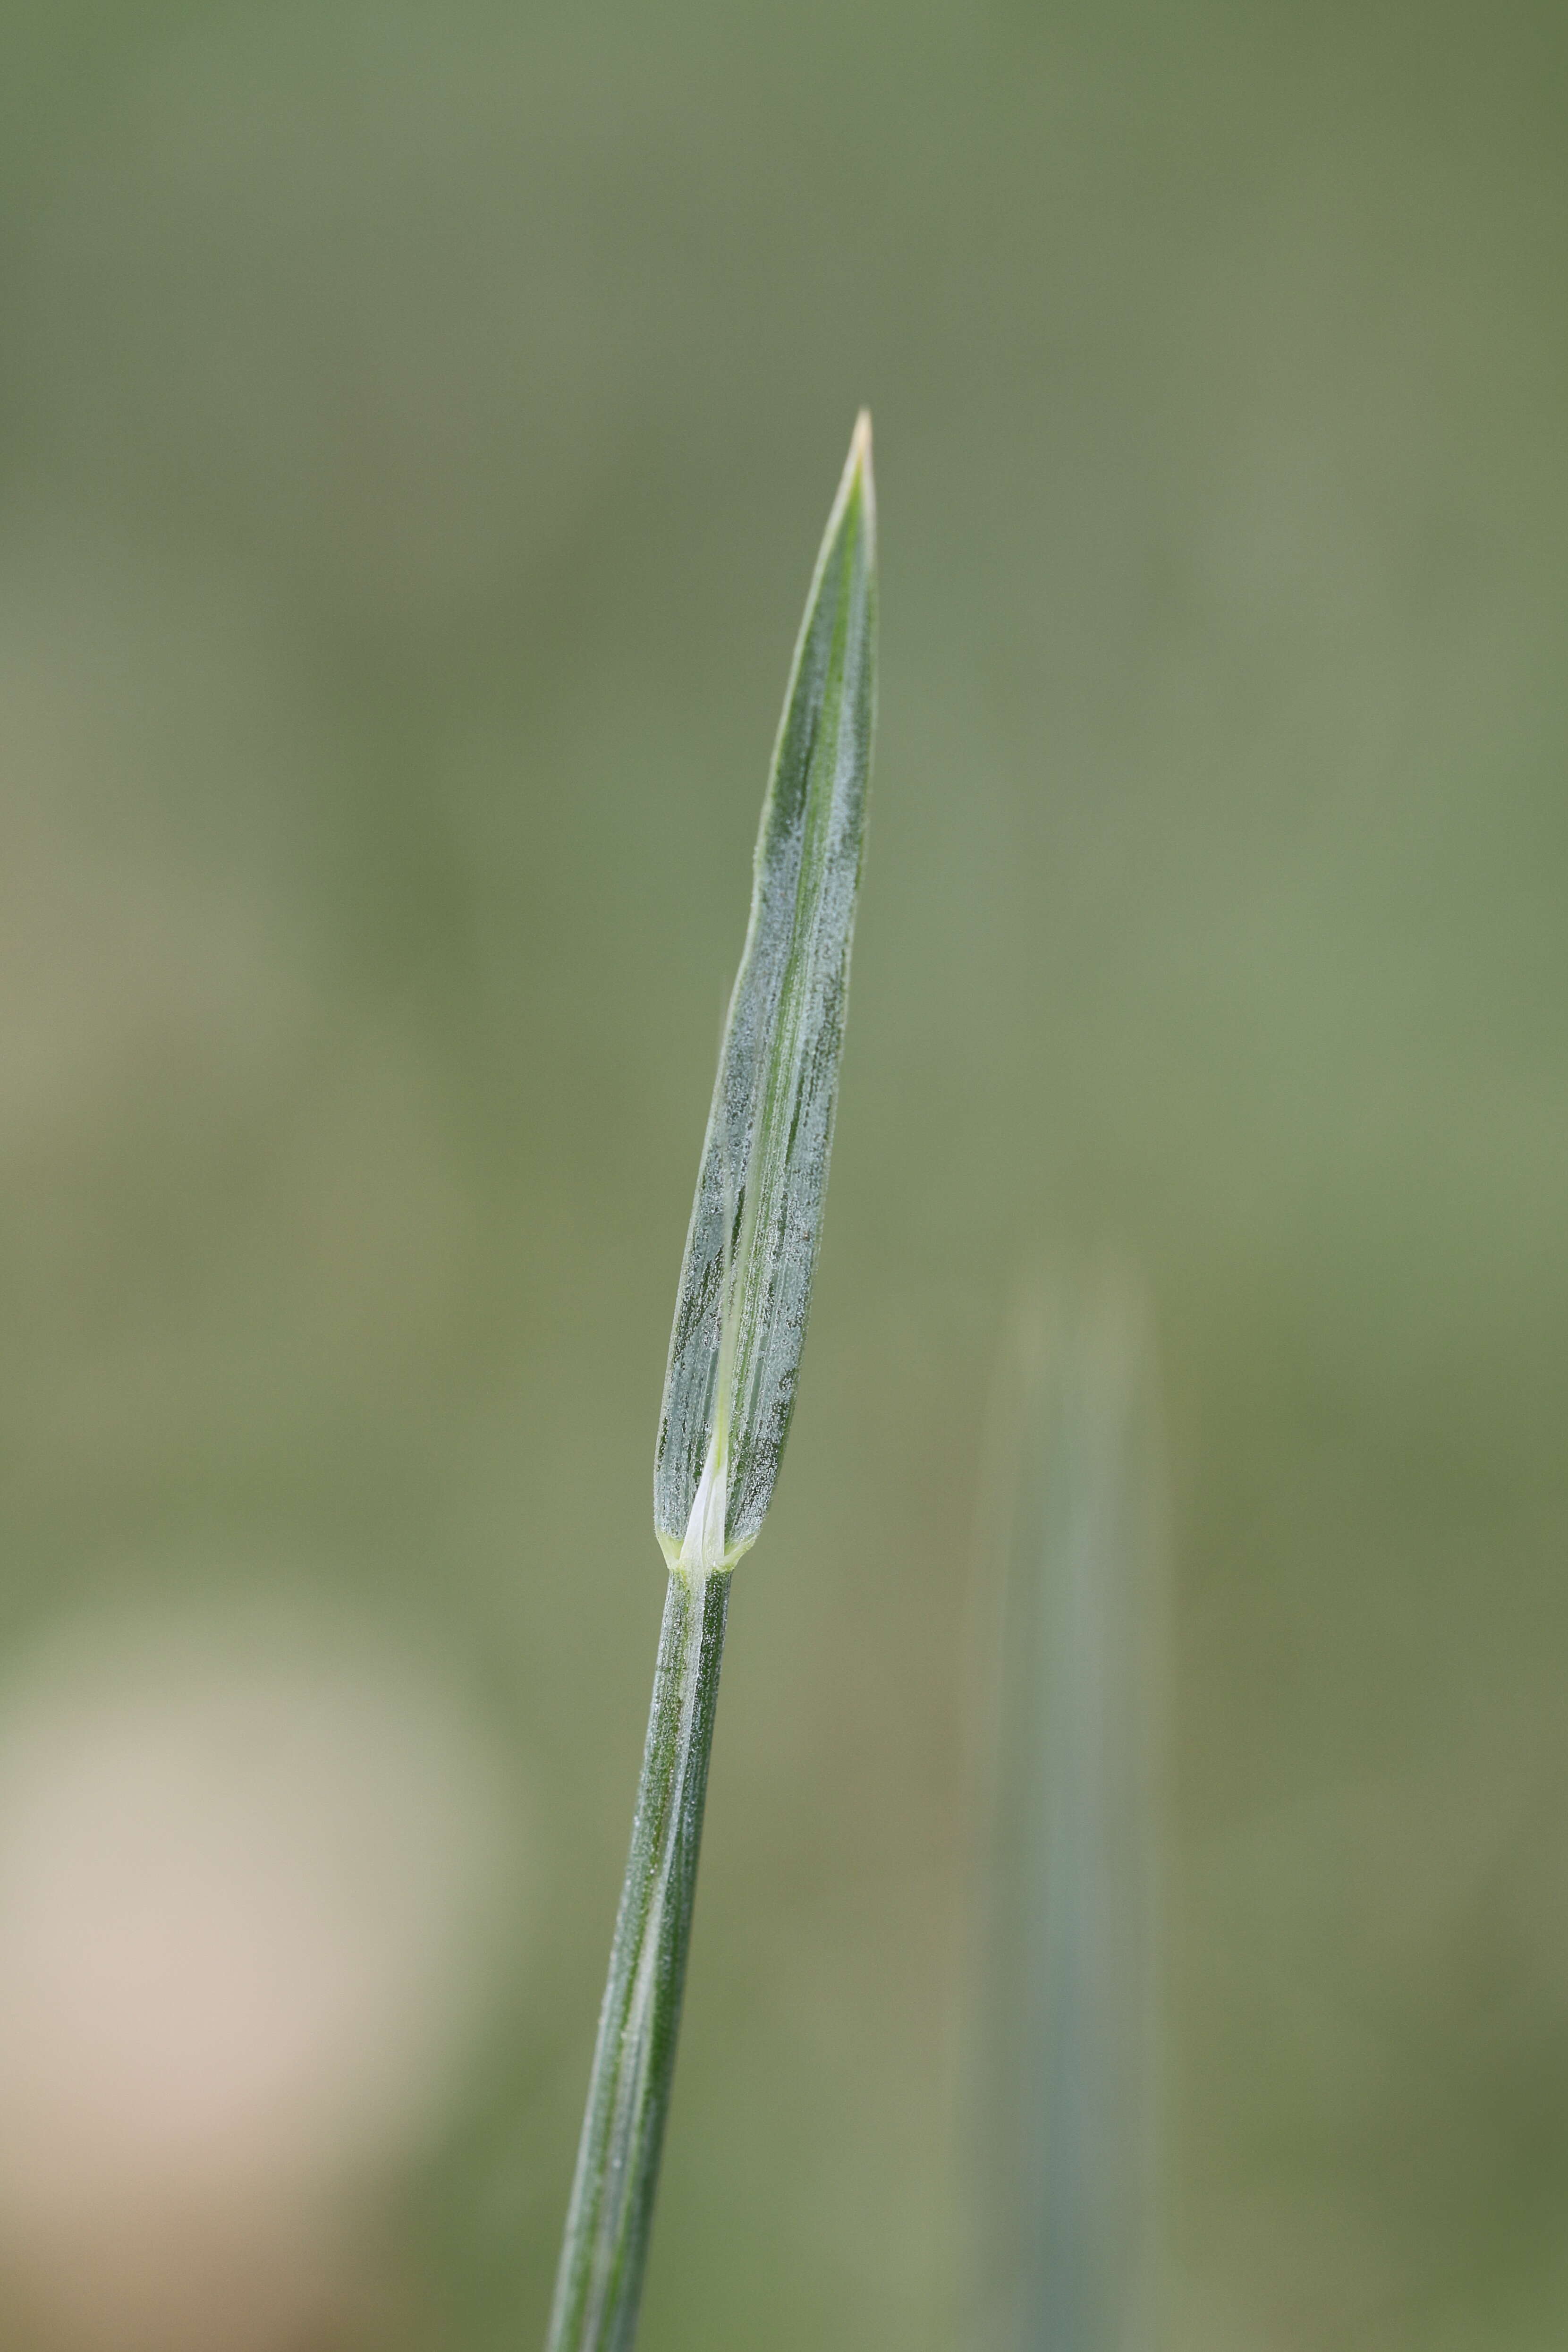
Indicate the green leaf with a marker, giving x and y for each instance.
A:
(751, 1249)
(745, 1289)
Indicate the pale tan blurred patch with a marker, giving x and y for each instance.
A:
(257, 1876)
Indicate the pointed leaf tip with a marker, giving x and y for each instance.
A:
(860, 461)
(751, 1247)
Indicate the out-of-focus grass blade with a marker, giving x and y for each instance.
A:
(751, 1249)
(1067, 2210)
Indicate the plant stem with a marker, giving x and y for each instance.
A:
(599, 2282)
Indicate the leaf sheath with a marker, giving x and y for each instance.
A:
(599, 2282)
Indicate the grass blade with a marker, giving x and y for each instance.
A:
(751, 1249)
(1068, 2221)
(740, 1318)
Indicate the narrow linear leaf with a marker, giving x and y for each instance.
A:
(751, 1249)
(746, 1285)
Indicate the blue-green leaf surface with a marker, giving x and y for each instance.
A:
(751, 1250)
(1067, 2185)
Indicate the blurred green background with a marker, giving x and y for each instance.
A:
(415, 428)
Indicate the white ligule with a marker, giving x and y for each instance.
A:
(702, 1547)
